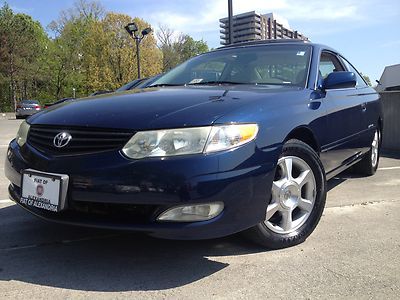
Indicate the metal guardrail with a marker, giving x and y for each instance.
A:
(391, 114)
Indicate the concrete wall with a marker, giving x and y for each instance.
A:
(391, 114)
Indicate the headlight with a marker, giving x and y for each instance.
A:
(167, 142)
(22, 133)
(171, 142)
(230, 136)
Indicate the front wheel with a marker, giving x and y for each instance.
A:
(297, 198)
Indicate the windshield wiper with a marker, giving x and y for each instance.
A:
(215, 82)
(165, 84)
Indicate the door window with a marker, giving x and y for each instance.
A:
(329, 63)
(349, 67)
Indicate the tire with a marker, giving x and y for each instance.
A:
(369, 163)
(297, 199)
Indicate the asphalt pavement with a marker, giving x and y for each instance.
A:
(353, 253)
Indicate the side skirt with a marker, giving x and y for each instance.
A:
(357, 158)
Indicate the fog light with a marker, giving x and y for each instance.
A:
(192, 213)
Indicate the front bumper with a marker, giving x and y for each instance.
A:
(109, 191)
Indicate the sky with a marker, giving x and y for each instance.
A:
(366, 32)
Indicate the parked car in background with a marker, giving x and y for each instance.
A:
(58, 102)
(139, 83)
(239, 139)
(147, 82)
(101, 92)
(27, 108)
(131, 85)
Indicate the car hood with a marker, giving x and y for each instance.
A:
(154, 108)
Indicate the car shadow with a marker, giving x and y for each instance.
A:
(334, 182)
(340, 178)
(41, 253)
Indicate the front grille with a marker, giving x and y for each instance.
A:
(83, 141)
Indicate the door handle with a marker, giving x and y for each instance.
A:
(364, 107)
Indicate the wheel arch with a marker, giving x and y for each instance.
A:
(306, 135)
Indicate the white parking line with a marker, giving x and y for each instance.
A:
(6, 201)
(389, 168)
(3, 146)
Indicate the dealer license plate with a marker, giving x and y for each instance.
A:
(44, 190)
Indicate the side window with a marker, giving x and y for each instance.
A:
(349, 67)
(328, 63)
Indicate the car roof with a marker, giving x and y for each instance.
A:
(266, 42)
(274, 42)
(317, 47)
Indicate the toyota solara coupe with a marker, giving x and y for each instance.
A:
(240, 139)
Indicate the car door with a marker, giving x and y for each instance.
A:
(344, 117)
(370, 107)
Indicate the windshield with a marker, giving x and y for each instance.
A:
(266, 64)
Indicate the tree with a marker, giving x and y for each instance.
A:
(191, 47)
(82, 10)
(177, 49)
(22, 50)
(121, 51)
(75, 31)
(64, 63)
(89, 50)
(94, 52)
(166, 42)
(366, 78)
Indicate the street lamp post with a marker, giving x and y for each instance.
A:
(133, 31)
(230, 21)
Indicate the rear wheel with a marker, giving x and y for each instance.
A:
(297, 198)
(369, 164)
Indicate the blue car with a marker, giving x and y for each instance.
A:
(239, 139)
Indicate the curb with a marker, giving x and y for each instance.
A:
(7, 116)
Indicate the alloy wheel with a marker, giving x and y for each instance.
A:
(293, 195)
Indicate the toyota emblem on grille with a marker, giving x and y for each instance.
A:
(62, 139)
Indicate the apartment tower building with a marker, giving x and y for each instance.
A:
(252, 26)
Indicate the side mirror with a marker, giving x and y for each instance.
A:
(340, 80)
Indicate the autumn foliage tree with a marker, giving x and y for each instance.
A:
(86, 49)
(121, 51)
(96, 53)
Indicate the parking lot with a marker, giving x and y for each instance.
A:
(353, 253)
